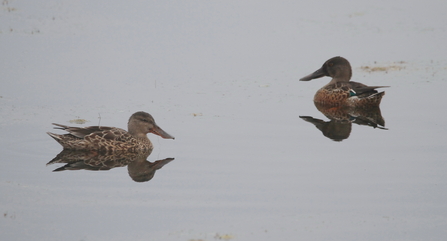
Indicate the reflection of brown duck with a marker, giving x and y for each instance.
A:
(110, 139)
(341, 119)
(140, 170)
(143, 171)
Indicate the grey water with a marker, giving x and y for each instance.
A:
(223, 78)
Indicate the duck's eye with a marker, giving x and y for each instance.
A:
(331, 64)
(145, 120)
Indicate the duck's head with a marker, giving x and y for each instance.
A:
(141, 123)
(337, 67)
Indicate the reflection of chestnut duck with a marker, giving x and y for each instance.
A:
(340, 91)
(140, 170)
(110, 139)
(363, 116)
(341, 119)
(335, 130)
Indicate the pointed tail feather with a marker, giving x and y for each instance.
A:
(55, 136)
(59, 126)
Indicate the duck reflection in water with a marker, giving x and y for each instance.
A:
(140, 170)
(103, 148)
(341, 119)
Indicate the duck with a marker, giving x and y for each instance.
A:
(340, 91)
(111, 139)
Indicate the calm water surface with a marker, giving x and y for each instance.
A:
(223, 79)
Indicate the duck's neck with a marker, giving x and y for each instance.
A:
(138, 135)
(343, 74)
(142, 137)
(338, 80)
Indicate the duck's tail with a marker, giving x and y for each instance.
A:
(373, 99)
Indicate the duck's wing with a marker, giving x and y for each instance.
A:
(360, 88)
(104, 132)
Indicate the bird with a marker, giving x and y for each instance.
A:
(340, 91)
(111, 139)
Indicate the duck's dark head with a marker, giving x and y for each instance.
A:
(337, 67)
(141, 123)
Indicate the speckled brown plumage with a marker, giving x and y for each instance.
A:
(111, 139)
(340, 91)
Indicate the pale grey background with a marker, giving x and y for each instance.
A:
(222, 77)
